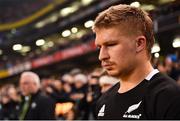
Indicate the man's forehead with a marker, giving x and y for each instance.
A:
(106, 36)
(25, 79)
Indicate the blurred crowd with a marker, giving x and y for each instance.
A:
(74, 95)
(23, 9)
(9, 62)
(71, 96)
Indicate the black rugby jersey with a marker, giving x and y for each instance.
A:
(157, 98)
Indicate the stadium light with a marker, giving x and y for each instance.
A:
(176, 42)
(50, 44)
(66, 33)
(53, 18)
(40, 42)
(148, 7)
(156, 55)
(155, 48)
(17, 47)
(74, 30)
(40, 24)
(1, 52)
(66, 11)
(89, 23)
(135, 4)
(86, 2)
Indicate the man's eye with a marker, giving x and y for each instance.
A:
(111, 44)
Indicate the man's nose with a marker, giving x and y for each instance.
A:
(103, 53)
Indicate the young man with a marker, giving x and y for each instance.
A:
(124, 35)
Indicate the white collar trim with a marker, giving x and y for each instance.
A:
(151, 74)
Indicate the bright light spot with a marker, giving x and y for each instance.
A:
(155, 48)
(156, 55)
(86, 2)
(25, 49)
(176, 42)
(50, 44)
(74, 30)
(44, 47)
(40, 24)
(89, 24)
(148, 7)
(1, 52)
(17, 47)
(53, 18)
(40, 42)
(135, 4)
(66, 33)
(66, 11)
(165, 1)
(80, 34)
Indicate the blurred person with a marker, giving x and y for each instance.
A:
(80, 83)
(75, 71)
(9, 103)
(124, 35)
(34, 105)
(68, 83)
(79, 96)
(161, 68)
(67, 78)
(13, 94)
(56, 91)
(168, 64)
(45, 82)
(106, 82)
(94, 92)
(175, 68)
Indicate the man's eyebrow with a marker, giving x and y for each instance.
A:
(106, 42)
(110, 42)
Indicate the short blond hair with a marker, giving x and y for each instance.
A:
(134, 19)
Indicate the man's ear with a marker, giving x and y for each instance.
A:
(140, 43)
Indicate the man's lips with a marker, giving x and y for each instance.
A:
(106, 65)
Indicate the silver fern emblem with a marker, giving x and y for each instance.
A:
(133, 107)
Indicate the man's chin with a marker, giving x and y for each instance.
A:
(112, 73)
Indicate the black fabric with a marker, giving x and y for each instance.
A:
(41, 107)
(60, 96)
(9, 111)
(158, 98)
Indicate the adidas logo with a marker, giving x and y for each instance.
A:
(101, 111)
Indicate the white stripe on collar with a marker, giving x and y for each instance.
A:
(151, 74)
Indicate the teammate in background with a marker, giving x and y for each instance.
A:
(34, 105)
(124, 35)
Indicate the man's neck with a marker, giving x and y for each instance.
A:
(132, 80)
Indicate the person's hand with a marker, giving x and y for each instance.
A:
(89, 97)
(77, 96)
(49, 90)
(67, 88)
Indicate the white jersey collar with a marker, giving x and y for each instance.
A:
(151, 74)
